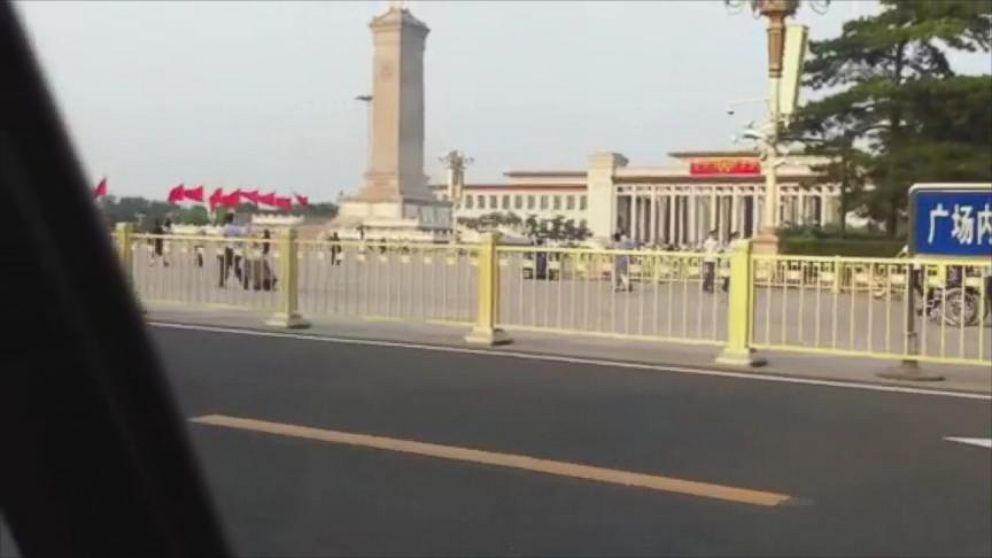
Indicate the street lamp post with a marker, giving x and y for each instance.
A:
(456, 161)
(776, 11)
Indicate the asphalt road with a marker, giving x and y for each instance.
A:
(870, 472)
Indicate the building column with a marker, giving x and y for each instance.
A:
(783, 203)
(755, 214)
(670, 217)
(675, 218)
(601, 197)
(655, 203)
(693, 225)
(634, 221)
(711, 225)
(803, 209)
(760, 199)
(824, 216)
(649, 238)
(645, 218)
(735, 210)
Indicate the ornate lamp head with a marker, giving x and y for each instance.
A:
(777, 8)
(776, 11)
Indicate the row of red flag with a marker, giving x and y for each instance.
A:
(180, 193)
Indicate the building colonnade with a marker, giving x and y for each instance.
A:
(681, 215)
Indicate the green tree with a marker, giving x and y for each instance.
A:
(894, 108)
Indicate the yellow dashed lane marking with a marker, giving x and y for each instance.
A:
(513, 461)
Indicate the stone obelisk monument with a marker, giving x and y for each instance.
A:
(394, 201)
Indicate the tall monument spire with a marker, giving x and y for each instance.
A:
(394, 201)
(397, 166)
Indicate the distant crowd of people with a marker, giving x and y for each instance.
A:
(710, 247)
(252, 271)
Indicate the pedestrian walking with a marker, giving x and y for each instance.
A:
(257, 269)
(710, 249)
(621, 262)
(198, 249)
(335, 248)
(230, 258)
(158, 244)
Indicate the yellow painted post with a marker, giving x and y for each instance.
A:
(485, 331)
(287, 284)
(124, 238)
(740, 310)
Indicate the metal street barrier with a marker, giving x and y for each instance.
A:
(928, 310)
(417, 282)
(211, 271)
(861, 306)
(673, 296)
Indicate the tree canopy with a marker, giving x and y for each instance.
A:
(894, 110)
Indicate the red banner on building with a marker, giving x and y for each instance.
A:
(711, 167)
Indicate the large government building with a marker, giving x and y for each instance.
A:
(674, 204)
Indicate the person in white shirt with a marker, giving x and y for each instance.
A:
(230, 258)
(621, 262)
(711, 247)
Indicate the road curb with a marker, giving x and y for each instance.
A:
(514, 350)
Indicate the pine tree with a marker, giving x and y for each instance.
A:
(895, 108)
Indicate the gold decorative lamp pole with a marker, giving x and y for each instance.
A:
(776, 11)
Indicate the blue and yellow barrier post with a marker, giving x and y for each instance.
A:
(288, 314)
(740, 310)
(485, 331)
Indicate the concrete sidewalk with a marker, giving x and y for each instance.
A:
(961, 378)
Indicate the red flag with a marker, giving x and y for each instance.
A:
(195, 194)
(177, 193)
(302, 200)
(101, 189)
(284, 203)
(268, 199)
(232, 200)
(251, 196)
(217, 198)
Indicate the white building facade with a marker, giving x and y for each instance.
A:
(676, 204)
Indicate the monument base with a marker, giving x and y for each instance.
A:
(407, 219)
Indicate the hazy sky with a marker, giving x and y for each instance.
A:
(246, 94)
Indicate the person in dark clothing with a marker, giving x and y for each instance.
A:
(540, 261)
(710, 249)
(335, 248)
(158, 251)
(229, 258)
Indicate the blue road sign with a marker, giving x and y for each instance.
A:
(951, 221)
